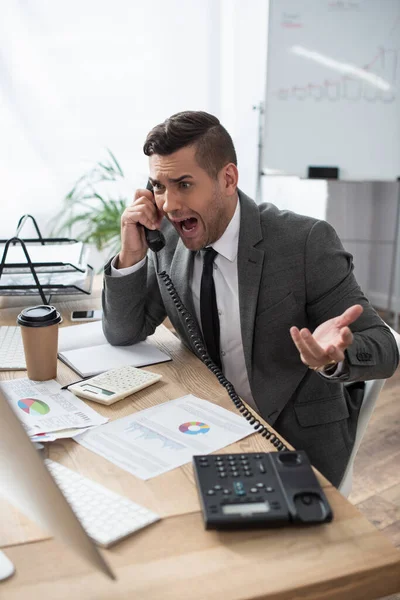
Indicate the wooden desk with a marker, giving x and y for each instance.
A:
(176, 559)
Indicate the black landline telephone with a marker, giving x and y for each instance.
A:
(298, 489)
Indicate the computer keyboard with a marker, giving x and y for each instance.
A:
(106, 517)
(12, 355)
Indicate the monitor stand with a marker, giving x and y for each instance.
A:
(6, 567)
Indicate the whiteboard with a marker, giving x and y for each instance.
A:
(332, 93)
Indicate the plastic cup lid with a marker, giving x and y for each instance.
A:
(39, 316)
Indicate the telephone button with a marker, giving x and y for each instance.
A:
(259, 485)
(261, 467)
(254, 490)
(269, 489)
(239, 488)
(222, 475)
(227, 492)
(210, 493)
(217, 487)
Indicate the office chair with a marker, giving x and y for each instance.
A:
(371, 393)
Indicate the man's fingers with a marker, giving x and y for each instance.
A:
(310, 351)
(346, 338)
(311, 347)
(350, 315)
(143, 213)
(143, 193)
(335, 354)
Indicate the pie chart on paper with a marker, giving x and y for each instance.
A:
(34, 407)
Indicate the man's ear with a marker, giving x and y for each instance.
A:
(229, 177)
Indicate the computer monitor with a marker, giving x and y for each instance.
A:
(27, 484)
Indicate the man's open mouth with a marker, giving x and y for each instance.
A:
(186, 227)
(188, 224)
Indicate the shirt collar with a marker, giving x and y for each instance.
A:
(227, 244)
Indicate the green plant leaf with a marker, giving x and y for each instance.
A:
(90, 216)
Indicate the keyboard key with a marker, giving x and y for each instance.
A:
(12, 355)
(106, 517)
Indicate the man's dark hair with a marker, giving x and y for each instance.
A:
(214, 146)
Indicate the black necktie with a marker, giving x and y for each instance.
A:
(208, 307)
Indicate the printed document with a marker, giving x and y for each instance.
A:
(166, 436)
(44, 408)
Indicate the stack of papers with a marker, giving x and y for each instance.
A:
(47, 412)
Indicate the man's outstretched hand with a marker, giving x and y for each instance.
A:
(328, 342)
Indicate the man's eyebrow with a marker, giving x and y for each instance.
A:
(172, 180)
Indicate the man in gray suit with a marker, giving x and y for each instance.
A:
(293, 324)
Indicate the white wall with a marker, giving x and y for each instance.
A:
(78, 77)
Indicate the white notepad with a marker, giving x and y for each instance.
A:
(85, 349)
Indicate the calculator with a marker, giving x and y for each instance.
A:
(114, 385)
(259, 489)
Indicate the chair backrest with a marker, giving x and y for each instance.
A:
(371, 393)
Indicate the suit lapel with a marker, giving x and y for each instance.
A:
(250, 265)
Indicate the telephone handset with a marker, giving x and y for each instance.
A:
(154, 238)
(156, 241)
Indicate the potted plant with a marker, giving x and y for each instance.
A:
(91, 212)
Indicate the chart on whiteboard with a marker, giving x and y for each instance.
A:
(333, 83)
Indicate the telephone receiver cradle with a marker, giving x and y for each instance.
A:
(154, 238)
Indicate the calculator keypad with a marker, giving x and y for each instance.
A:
(125, 378)
(114, 385)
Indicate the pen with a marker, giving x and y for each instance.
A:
(64, 387)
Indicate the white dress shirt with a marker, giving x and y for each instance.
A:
(227, 293)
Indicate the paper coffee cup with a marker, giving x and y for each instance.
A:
(39, 329)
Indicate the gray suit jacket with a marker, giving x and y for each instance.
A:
(292, 270)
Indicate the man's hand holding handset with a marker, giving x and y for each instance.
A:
(142, 211)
